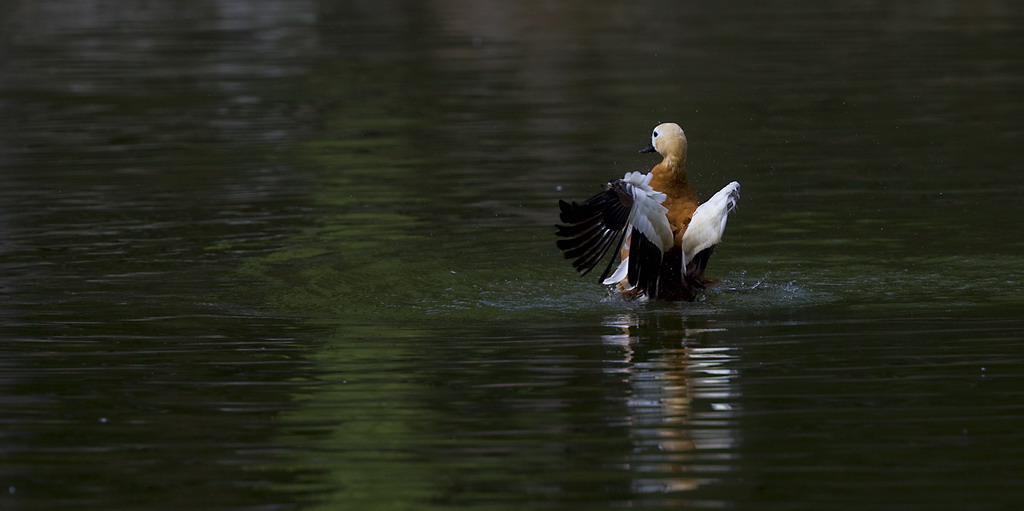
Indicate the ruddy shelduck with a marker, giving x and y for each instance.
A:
(666, 235)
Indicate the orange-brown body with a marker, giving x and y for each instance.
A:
(682, 198)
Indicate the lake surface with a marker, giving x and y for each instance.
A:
(299, 255)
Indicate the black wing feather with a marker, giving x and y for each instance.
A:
(601, 222)
(591, 228)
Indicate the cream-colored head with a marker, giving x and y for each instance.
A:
(669, 141)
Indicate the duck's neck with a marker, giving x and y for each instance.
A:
(675, 167)
(670, 178)
(674, 163)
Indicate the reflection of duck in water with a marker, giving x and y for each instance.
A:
(666, 238)
(682, 389)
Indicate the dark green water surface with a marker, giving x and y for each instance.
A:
(299, 255)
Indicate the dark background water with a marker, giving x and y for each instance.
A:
(299, 255)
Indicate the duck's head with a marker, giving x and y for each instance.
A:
(669, 141)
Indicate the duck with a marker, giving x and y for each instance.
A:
(664, 234)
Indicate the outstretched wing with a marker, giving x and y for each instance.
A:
(592, 228)
(708, 223)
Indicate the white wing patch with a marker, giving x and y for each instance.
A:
(708, 222)
(647, 214)
(623, 268)
(619, 275)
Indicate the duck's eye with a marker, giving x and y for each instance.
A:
(655, 134)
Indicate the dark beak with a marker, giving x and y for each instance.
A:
(648, 149)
